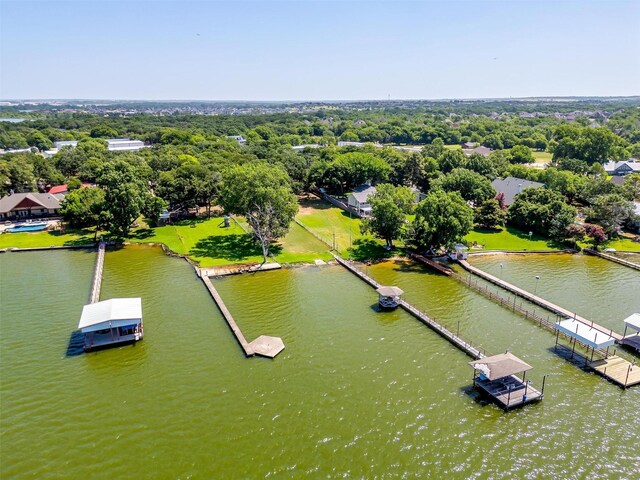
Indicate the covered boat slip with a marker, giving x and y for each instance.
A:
(113, 321)
(497, 377)
(389, 297)
(614, 368)
(632, 340)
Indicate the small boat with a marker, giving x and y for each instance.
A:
(389, 297)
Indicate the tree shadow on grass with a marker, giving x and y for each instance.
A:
(535, 237)
(86, 237)
(230, 247)
(369, 249)
(315, 203)
(142, 234)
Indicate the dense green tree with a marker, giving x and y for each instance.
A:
(541, 210)
(610, 211)
(125, 195)
(39, 140)
(489, 214)
(520, 154)
(103, 131)
(631, 186)
(152, 208)
(263, 194)
(471, 186)
(451, 159)
(442, 218)
(485, 166)
(82, 207)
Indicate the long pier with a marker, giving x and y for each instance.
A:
(473, 351)
(264, 345)
(94, 296)
(552, 307)
(612, 258)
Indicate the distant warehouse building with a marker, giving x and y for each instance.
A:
(113, 145)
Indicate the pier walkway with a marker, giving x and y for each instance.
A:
(94, 296)
(537, 300)
(473, 351)
(264, 345)
(612, 258)
(508, 391)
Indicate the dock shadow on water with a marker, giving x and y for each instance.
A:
(481, 399)
(576, 358)
(76, 344)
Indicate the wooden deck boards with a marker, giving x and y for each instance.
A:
(509, 392)
(618, 370)
(264, 345)
(94, 295)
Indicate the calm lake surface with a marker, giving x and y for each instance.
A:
(356, 393)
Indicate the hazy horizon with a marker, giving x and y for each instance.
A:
(315, 51)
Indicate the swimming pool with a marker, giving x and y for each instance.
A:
(33, 227)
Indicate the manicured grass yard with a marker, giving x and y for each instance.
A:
(509, 238)
(45, 239)
(623, 245)
(211, 244)
(541, 157)
(325, 220)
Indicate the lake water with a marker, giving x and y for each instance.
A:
(356, 393)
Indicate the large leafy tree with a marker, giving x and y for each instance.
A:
(389, 206)
(125, 196)
(82, 207)
(471, 186)
(541, 210)
(262, 193)
(490, 214)
(442, 218)
(611, 212)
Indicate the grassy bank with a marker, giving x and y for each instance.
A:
(509, 239)
(208, 242)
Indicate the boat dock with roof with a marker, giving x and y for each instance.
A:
(518, 392)
(612, 367)
(496, 376)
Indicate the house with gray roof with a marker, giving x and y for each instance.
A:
(512, 186)
(358, 200)
(624, 167)
(18, 206)
(481, 150)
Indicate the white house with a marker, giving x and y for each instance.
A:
(113, 145)
(358, 199)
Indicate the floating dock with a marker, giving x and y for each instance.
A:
(94, 295)
(264, 345)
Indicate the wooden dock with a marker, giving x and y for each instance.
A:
(473, 351)
(618, 370)
(264, 345)
(556, 309)
(510, 392)
(237, 269)
(94, 295)
(612, 258)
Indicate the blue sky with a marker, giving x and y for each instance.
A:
(318, 50)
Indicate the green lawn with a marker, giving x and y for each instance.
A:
(211, 244)
(207, 242)
(45, 239)
(623, 245)
(509, 238)
(541, 157)
(327, 220)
